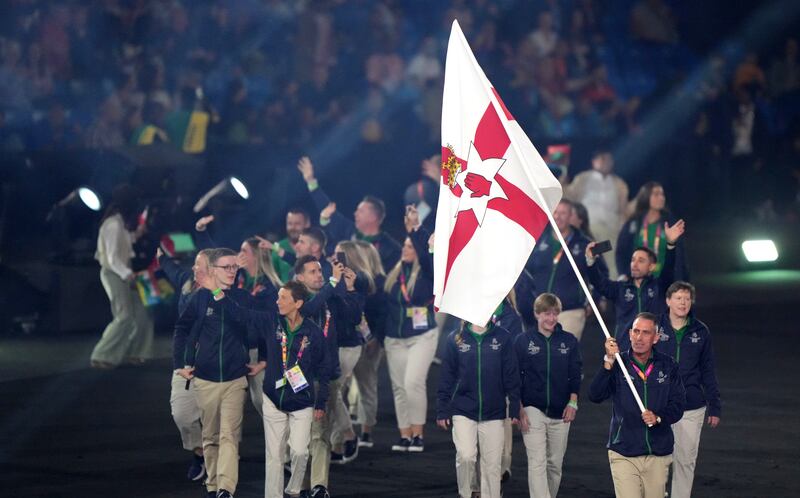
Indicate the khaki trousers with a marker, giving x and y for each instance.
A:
(639, 477)
(221, 407)
(366, 376)
(468, 436)
(130, 333)
(186, 413)
(277, 424)
(687, 441)
(573, 321)
(340, 417)
(409, 360)
(255, 384)
(320, 446)
(545, 445)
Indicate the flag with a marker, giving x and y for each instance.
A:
(493, 181)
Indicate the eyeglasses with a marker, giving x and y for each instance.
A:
(228, 268)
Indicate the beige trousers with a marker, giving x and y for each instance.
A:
(409, 360)
(687, 441)
(639, 477)
(186, 413)
(320, 446)
(255, 384)
(277, 424)
(545, 445)
(468, 436)
(366, 376)
(130, 333)
(340, 417)
(221, 408)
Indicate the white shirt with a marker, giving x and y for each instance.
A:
(115, 246)
(605, 196)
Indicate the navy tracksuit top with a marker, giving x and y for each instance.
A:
(478, 373)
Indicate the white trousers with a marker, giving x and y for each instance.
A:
(130, 333)
(186, 413)
(340, 418)
(545, 445)
(409, 360)
(276, 425)
(573, 321)
(687, 441)
(468, 436)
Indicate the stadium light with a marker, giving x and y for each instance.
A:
(226, 187)
(759, 251)
(81, 196)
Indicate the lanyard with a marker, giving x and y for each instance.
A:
(645, 235)
(403, 287)
(285, 349)
(327, 324)
(643, 375)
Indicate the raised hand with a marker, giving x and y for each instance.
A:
(306, 168)
(328, 211)
(411, 219)
(264, 244)
(201, 224)
(350, 279)
(675, 231)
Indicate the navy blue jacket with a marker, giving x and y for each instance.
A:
(177, 276)
(478, 373)
(695, 358)
(219, 350)
(559, 279)
(627, 240)
(662, 394)
(341, 228)
(398, 323)
(630, 300)
(314, 363)
(507, 317)
(375, 308)
(550, 368)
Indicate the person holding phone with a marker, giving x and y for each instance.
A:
(411, 335)
(553, 273)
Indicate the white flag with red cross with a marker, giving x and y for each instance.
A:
(494, 191)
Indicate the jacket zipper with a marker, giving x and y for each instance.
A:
(547, 409)
(479, 340)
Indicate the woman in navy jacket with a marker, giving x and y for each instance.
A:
(550, 366)
(479, 372)
(688, 341)
(410, 336)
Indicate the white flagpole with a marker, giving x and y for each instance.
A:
(546, 209)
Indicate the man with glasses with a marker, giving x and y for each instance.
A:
(640, 444)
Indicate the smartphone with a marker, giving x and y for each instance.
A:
(601, 247)
(341, 258)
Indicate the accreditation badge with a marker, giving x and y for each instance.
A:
(419, 317)
(296, 378)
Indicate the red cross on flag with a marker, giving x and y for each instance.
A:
(494, 191)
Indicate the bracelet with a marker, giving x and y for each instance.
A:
(216, 292)
(573, 404)
(312, 185)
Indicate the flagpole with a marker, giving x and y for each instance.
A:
(546, 209)
(585, 288)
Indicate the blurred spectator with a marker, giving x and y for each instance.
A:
(425, 67)
(784, 74)
(106, 131)
(151, 129)
(544, 38)
(56, 131)
(652, 21)
(749, 75)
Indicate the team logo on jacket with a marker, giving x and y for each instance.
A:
(695, 338)
(543, 246)
(209, 311)
(464, 347)
(662, 337)
(651, 293)
(533, 348)
(662, 377)
(494, 345)
(576, 250)
(563, 349)
(628, 295)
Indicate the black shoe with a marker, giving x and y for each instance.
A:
(402, 445)
(417, 445)
(350, 450)
(319, 491)
(224, 494)
(365, 440)
(505, 477)
(197, 468)
(304, 493)
(337, 458)
(211, 494)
